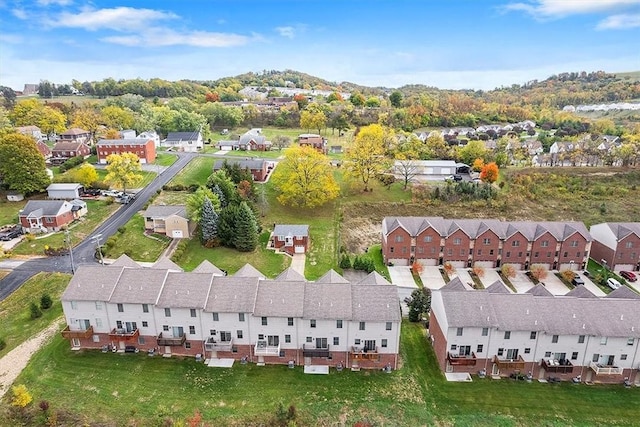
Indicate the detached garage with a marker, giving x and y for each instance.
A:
(65, 191)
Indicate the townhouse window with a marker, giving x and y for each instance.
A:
(547, 354)
(98, 322)
(574, 355)
(413, 249)
(357, 341)
(339, 324)
(595, 357)
(480, 348)
(533, 335)
(479, 251)
(192, 330)
(515, 243)
(187, 345)
(388, 326)
(490, 251)
(145, 308)
(312, 323)
(120, 308)
(457, 241)
(384, 342)
(549, 254)
(450, 251)
(566, 254)
(577, 254)
(404, 250)
(500, 351)
(167, 312)
(216, 317)
(485, 332)
(399, 239)
(432, 250)
(507, 335)
(336, 340)
(508, 254)
(282, 353)
(527, 350)
(165, 328)
(192, 312)
(239, 334)
(260, 336)
(536, 254)
(520, 254)
(603, 341)
(145, 324)
(428, 239)
(581, 339)
(628, 245)
(287, 338)
(361, 326)
(309, 339)
(486, 241)
(459, 332)
(420, 250)
(544, 244)
(630, 341)
(623, 357)
(264, 321)
(391, 249)
(240, 317)
(574, 243)
(462, 251)
(454, 347)
(554, 339)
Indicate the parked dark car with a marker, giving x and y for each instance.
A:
(629, 276)
(5, 236)
(92, 192)
(577, 281)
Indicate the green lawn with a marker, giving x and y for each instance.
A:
(196, 172)
(164, 159)
(133, 242)
(98, 211)
(266, 261)
(273, 154)
(9, 210)
(15, 317)
(134, 389)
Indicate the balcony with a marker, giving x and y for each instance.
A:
(364, 353)
(263, 349)
(456, 360)
(171, 341)
(600, 369)
(508, 364)
(67, 333)
(123, 334)
(562, 366)
(314, 351)
(212, 345)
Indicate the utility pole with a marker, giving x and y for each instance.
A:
(68, 240)
(96, 239)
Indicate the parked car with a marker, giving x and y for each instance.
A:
(629, 276)
(586, 273)
(577, 281)
(5, 236)
(613, 283)
(92, 192)
(455, 177)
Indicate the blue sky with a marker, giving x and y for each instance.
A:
(453, 44)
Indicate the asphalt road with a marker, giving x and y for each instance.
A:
(83, 253)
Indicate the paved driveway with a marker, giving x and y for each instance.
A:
(401, 276)
(588, 283)
(490, 277)
(554, 284)
(634, 285)
(297, 263)
(431, 277)
(464, 276)
(521, 282)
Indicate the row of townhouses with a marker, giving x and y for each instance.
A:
(576, 336)
(326, 322)
(485, 242)
(490, 243)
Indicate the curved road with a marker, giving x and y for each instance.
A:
(83, 253)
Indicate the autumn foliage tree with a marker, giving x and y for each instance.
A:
(21, 396)
(538, 271)
(489, 173)
(366, 158)
(508, 271)
(123, 169)
(478, 165)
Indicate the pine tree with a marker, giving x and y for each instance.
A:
(345, 262)
(208, 224)
(218, 192)
(227, 225)
(246, 238)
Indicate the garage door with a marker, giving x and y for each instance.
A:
(458, 264)
(517, 267)
(428, 262)
(484, 264)
(225, 148)
(177, 234)
(399, 261)
(299, 249)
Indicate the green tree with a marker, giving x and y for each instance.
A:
(396, 99)
(195, 203)
(227, 224)
(123, 169)
(473, 150)
(8, 96)
(372, 102)
(51, 120)
(208, 224)
(357, 99)
(246, 238)
(88, 118)
(22, 167)
(45, 301)
(366, 158)
(117, 117)
(224, 183)
(86, 175)
(313, 120)
(35, 311)
(419, 304)
(304, 178)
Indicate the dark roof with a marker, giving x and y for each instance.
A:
(539, 290)
(623, 292)
(291, 230)
(68, 146)
(183, 136)
(45, 207)
(250, 164)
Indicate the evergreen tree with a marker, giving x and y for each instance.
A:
(35, 311)
(45, 301)
(246, 238)
(208, 224)
(218, 192)
(420, 302)
(227, 225)
(345, 262)
(228, 188)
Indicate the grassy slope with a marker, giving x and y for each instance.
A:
(196, 172)
(136, 244)
(15, 317)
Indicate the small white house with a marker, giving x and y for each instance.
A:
(152, 135)
(65, 191)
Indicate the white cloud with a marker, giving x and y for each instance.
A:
(288, 31)
(58, 2)
(19, 13)
(11, 38)
(120, 19)
(620, 22)
(155, 37)
(561, 8)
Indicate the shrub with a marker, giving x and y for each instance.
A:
(568, 275)
(478, 271)
(417, 268)
(45, 301)
(345, 262)
(538, 271)
(122, 229)
(3, 344)
(21, 396)
(508, 271)
(35, 311)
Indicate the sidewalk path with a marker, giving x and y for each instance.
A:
(12, 363)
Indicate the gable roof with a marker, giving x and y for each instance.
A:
(39, 208)
(332, 277)
(64, 186)
(580, 292)
(251, 164)
(165, 263)
(127, 141)
(623, 292)
(375, 303)
(75, 131)
(230, 294)
(498, 287)
(69, 146)
(290, 275)
(163, 211)
(207, 267)
(124, 261)
(374, 278)
(454, 285)
(327, 301)
(248, 270)
(280, 299)
(92, 283)
(291, 230)
(539, 290)
(138, 286)
(185, 290)
(182, 136)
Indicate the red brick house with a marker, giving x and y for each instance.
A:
(292, 239)
(253, 140)
(66, 150)
(487, 243)
(45, 215)
(145, 149)
(259, 168)
(617, 245)
(76, 135)
(314, 141)
(44, 150)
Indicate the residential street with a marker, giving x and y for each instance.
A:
(83, 253)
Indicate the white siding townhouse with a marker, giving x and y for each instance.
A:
(577, 335)
(266, 321)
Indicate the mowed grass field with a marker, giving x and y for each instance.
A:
(133, 389)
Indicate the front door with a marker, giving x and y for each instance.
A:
(321, 343)
(611, 360)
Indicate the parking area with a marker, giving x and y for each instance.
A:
(554, 284)
(521, 282)
(588, 283)
(431, 277)
(401, 276)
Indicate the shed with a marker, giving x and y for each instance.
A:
(65, 191)
(15, 197)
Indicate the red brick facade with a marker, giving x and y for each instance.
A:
(145, 150)
(280, 244)
(50, 222)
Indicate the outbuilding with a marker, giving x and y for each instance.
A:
(65, 191)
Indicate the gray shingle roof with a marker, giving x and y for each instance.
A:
(232, 295)
(280, 299)
(375, 303)
(207, 267)
(623, 229)
(539, 290)
(162, 211)
(454, 285)
(623, 292)
(498, 287)
(580, 292)
(374, 278)
(64, 186)
(45, 207)
(327, 301)
(332, 277)
(284, 230)
(248, 270)
(138, 286)
(290, 275)
(124, 261)
(166, 264)
(251, 164)
(185, 290)
(92, 283)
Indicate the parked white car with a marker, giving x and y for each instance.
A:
(613, 283)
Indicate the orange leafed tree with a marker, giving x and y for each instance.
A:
(416, 268)
(508, 271)
(212, 97)
(478, 165)
(478, 270)
(489, 173)
(538, 271)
